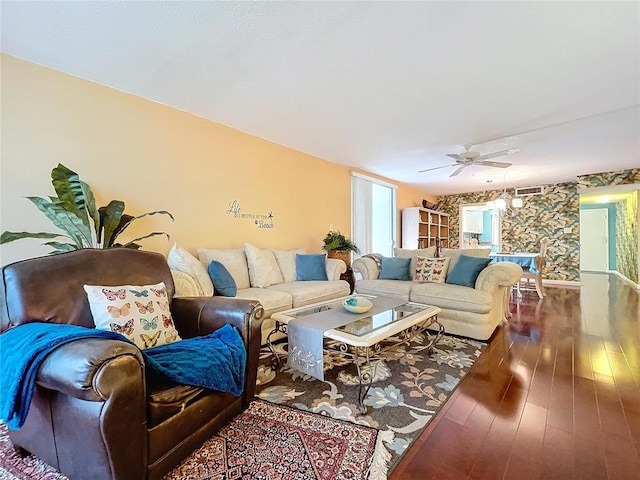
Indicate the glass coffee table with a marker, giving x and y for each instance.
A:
(367, 337)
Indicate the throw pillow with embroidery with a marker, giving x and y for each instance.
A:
(431, 269)
(140, 313)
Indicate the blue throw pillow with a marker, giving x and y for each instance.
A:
(466, 270)
(223, 283)
(395, 268)
(311, 267)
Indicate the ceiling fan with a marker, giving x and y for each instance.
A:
(468, 158)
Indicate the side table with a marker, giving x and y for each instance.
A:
(349, 278)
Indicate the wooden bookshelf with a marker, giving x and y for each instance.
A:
(421, 227)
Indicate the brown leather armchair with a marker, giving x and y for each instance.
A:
(93, 415)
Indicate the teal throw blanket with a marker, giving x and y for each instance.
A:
(216, 361)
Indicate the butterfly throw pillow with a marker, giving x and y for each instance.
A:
(140, 313)
(431, 269)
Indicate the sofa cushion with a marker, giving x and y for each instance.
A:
(466, 270)
(140, 313)
(223, 283)
(431, 269)
(185, 285)
(311, 267)
(413, 255)
(395, 268)
(272, 300)
(263, 267)
(455, 297)
(306, 293)
(234, 259)
(454, 254)
(287, 262)
(180, 260)
(387, 288)
(466, 321)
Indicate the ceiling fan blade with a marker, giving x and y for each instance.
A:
(501, 153)
(458, 170)
(456, 157)
(436, 168)
(493, 164)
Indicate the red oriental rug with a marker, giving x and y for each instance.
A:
(266, 441)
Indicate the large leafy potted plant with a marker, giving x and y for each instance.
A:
(339, 246)
(74, 212)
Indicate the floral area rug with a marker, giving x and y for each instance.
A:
(274, 442)
(409, 387)
(265, 442)
(16, 467)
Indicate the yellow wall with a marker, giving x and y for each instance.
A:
(154, 157)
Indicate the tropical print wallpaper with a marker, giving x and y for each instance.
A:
(547, 215)
(627, 237)
(541, 216)
(622, 177)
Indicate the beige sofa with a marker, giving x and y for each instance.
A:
(266, 275)
(469, 312)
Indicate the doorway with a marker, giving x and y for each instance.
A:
(594, 240)
(480, 226)
(373, 219)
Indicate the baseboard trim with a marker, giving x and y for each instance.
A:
(625, 279)
(561, 283)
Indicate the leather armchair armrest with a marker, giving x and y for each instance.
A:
(367, 267)
(77, 368)
(335, 267)
(500, 274)
(110, 373)
(197, 316)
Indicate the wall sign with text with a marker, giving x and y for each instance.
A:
(260, 220)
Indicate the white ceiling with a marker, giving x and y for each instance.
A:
(389, 87)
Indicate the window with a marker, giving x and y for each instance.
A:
(373, 215)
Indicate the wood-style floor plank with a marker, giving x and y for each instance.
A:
(556, 394)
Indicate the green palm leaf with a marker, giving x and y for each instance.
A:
(65, 220)
(110, 217)
(91, 208)
(131, 246)
(128, 219)
(124, 221)
(7, 237)
(59, 247)
(155, 212)
(153, 234)
(68, 186)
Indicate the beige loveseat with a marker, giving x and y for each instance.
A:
(469, 312)
(266, 275)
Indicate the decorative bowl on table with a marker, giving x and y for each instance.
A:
(357, 304)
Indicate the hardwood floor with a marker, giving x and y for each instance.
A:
(556, 395)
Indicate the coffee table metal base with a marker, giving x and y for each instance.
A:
(366, 359)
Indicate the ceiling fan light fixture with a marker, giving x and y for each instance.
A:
(469, 158)
(506, 204)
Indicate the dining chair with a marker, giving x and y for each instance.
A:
(528, 275)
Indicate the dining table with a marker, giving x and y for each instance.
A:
(527, 260)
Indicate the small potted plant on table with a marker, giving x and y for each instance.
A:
(338, 246)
